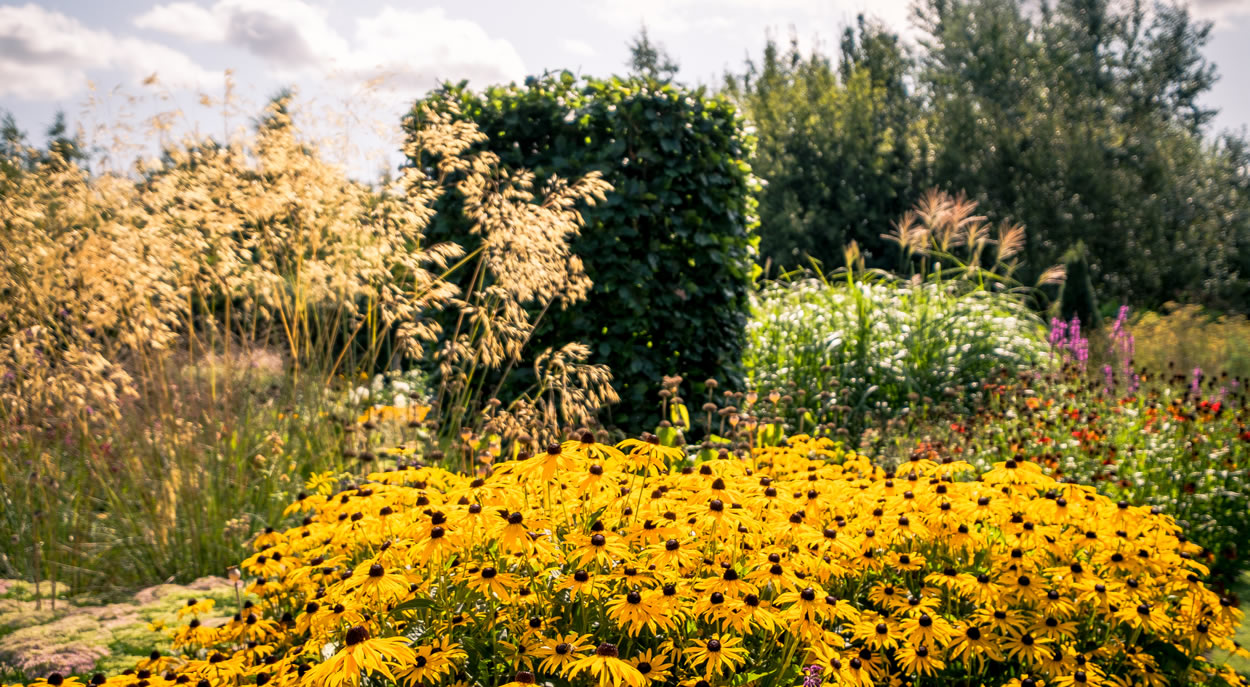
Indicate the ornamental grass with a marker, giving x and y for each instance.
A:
(629, 565)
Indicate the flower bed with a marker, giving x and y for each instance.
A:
(590, 563)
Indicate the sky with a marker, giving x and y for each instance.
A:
(357, 63)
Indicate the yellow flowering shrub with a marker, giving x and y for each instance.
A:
(628, 565)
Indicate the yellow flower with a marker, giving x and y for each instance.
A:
(560, 652)
(721, 652)
(432, 662)
(648, 455)
(605, 665)
(361, 655)
(372, 581)
(918, 660)
(654, 665)
(195, 607)
(634, 612)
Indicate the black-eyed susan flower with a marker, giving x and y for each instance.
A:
(598, 548)
(372, 581)
(923, 628)
(719, 653)
(606, 666)
(654, 665)
(490, 581)
(635, 612)
(877, 632)
(431, 663)
(560, 652)
(522, 652)
(974, 645)
(918, 660)
(648, 455)
(673, 555)
(1026, 648)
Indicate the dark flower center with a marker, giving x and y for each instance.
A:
(607, 650)
(356, 635)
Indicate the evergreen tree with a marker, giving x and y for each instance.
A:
(650, 60)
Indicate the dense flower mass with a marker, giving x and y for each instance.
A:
(586, 564)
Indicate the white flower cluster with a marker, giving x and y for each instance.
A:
(872, 344)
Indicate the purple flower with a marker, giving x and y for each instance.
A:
(812, 676)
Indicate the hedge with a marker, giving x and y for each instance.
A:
(671, 252)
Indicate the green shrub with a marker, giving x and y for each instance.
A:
(669, 252)
(1076, 297)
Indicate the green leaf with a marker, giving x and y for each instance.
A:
(414, 604)
(666, 435)
(769, 434)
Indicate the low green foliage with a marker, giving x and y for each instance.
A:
(164, 493)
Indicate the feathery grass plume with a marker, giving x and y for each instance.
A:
(522, 268)
(172, 340)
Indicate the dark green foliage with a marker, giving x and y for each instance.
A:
(649, 60)
(1076, 296)
(1080, 119)
(1083, 124)
(669, 252)
(59, 149)
(840, 149)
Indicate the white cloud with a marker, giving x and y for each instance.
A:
(1222, 12)
(412, 49)
(417, 49)
(47, 55)
(579, 48)
(184, 20)
(672, 17)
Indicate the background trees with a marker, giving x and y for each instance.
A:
(1079, 119)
